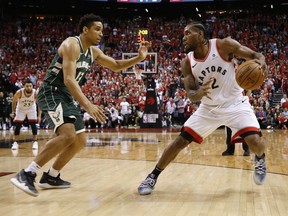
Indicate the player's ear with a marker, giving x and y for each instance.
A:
(85, 29)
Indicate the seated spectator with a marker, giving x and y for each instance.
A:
(284, 101)
(188, 110)
(282, 122)
(114, 116)
(170, 110)
(261, 117)
(285, 112)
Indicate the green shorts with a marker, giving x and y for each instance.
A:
(59, 107)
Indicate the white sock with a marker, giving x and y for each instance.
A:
(33, 167)
(52, 172)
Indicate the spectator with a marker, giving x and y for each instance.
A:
(125, 112)
(181, 109)
(284, 101)
(170, 109)
(282, 122)
(3, 109)
(261, 117)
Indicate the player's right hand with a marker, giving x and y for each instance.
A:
(205, 88)
(97, 113)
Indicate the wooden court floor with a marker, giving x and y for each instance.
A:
(106, 173)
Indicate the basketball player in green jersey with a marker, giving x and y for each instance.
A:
(60, 98)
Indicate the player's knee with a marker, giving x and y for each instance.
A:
(68, 137)
(81, 140)
(180, 143)
(253, 139)
(255, 143)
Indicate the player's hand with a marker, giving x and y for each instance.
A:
(97, 113)
(143, 49)
(206, 87)
(263, 66)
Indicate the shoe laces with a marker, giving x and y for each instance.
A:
(260, 167)
(149, 181)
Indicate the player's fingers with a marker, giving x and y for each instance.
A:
(208, 97)
(100, 118)
(100, 108)
(208, 83)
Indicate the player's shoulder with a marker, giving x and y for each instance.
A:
(225, 41)
(69, 45)
(18, 93)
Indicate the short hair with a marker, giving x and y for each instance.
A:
(28, 81)
(87, 20)
(199, 26)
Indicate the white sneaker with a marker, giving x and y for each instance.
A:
(35, 152)
(14, 152)
(35, 145)
(15, 146)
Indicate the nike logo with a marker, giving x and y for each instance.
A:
(244, 100)
(194, 65)
(52, 181)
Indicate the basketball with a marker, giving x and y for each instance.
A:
(250, 75)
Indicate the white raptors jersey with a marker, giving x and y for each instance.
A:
(224, 87)
(26, 103)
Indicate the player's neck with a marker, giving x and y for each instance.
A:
(84, 43)
(27, 94)
(201, 51)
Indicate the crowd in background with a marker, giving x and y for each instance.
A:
(28, 46)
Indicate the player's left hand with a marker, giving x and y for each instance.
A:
(143, 49)
(263, 66)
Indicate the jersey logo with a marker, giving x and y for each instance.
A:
(194, 65)
(150, 100)
(57, 115)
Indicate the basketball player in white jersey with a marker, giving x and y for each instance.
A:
(209, 77)
(24, 105)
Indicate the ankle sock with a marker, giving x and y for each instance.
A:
(156, 172)
(52, 172)
(261, 157)
(33, 167)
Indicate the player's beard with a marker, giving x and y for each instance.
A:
(189, 48)
(28, 92)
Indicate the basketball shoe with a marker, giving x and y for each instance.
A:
(260, 170)
(50, 182)
(25, 181)
(15, 146)
(35, 145)
(146, 187)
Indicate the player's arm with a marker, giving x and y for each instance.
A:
(194, 91)
(118, 65)
(69, 50)
(14, 103)
(229, 46)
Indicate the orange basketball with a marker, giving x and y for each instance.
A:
(250, 75)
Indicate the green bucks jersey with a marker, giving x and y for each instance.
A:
(54, 76)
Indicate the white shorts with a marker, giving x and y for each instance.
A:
(237, 114)
(20, 115)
